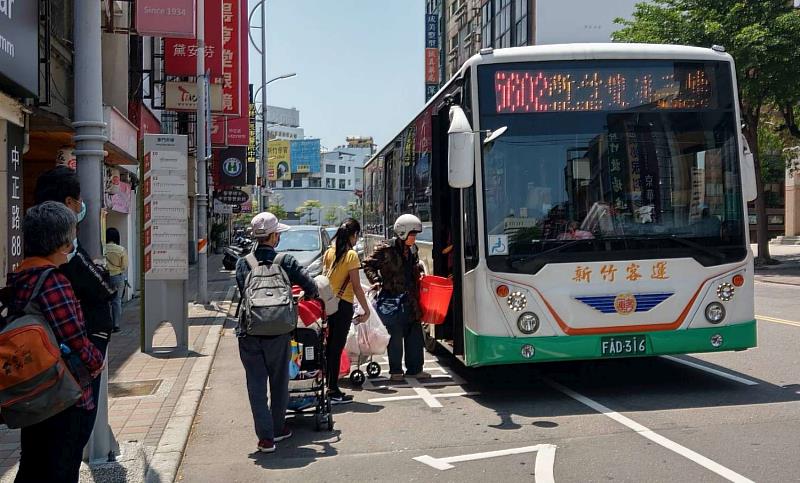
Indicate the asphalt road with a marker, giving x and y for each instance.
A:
(727, 416)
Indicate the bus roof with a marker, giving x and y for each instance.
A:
(578, 51)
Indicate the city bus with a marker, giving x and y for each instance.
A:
(587, 200)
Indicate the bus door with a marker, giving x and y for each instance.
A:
(447, 241)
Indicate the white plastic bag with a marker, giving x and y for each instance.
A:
(370, 337)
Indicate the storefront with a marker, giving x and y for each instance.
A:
(19, 79)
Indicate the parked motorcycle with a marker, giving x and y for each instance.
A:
(241, 246)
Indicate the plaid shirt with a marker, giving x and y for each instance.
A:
(60, 308)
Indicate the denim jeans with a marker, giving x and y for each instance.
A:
(266, 361)
(117, 282)
(406, 334)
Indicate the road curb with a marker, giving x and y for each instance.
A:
(169, 453)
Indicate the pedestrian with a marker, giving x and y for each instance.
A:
(90, 281)
(394, 269)
(266, 358)
(117, 264)
(341, 265)
(52, 450)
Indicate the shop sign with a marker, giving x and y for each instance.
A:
(66, 157)
(120, 131)
(219, 131)
(232, 20)
(19, 45)
(221, 208)
(165, 18)
(233, 166)
(180, 55)
(182, 96)
(431, 66)
(238, 131)
(305, 155)
(232, 196)
(16, 140)
(279, 162)
(431, 31)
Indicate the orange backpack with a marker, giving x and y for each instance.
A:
(35, 382)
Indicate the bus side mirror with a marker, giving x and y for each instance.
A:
(749, 191)
(460, 150)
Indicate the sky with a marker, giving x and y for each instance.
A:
(359, 64)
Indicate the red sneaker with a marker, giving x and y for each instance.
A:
(285, 434)
(266, 446)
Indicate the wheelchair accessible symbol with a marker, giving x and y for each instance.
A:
(498, 245)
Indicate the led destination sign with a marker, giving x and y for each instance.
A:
(660, 86)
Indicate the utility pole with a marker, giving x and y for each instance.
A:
(200, 156)
(264, 201)
(89, 153)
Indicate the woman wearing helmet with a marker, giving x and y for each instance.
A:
(394, 267)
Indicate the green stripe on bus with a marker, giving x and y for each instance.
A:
(484, 350)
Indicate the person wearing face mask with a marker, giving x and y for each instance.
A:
(394, 269)
(90, 282)
(52, 449)
(266, 358)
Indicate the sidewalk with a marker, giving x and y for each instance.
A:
(787, 272)
(152, 397)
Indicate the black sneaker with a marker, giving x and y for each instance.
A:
(340, 398)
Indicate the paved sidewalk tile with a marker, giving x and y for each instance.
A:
(144, 388)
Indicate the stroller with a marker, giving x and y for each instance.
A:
(307, 388)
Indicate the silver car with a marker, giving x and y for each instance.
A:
(307, 243)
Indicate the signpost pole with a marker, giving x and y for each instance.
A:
(201, 156)
(264, 201)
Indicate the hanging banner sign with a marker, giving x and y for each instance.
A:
(231, 57)
(238, 131)
(166, 18)
(233, 166)
(219, 131)
(431, 31)
(180, 55)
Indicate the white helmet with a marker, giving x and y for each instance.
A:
(405, 225)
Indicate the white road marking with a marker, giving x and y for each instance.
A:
(543, 471)
(701, 460)
(717, 372)
(407, 398)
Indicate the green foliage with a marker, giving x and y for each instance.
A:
(278, 210)
(771, 151)
(353, 210)
(310, 208)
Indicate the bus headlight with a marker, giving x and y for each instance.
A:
(517, 301)
(725, 291)
(715, 312)
(528, 323)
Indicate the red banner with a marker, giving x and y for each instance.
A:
(231, 57)
(239, 127)
(166, 18)
(219, 131)
(180, 55)
(432, 66)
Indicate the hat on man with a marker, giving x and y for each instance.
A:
(265, 224)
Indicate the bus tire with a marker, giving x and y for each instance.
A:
(430, 341)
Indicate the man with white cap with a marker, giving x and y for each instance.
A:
(266, 358)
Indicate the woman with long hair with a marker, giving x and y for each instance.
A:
(341, 265)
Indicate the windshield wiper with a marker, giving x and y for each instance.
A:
(295, 250)
(513, 260)
(695, 245)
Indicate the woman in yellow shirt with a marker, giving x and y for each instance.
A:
(117, 265)
(341, 265)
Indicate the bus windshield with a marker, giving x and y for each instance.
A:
(610, 160)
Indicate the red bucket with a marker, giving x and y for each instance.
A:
(434, 298)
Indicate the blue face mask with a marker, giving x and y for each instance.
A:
(82, 213)
(74, 250)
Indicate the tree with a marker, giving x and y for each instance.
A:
(762, 36)
(310, 208)
(330, 215)
(278, 210)
(353, 210)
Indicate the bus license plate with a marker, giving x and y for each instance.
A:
(624, 345)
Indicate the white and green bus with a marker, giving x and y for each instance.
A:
(594, 196)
